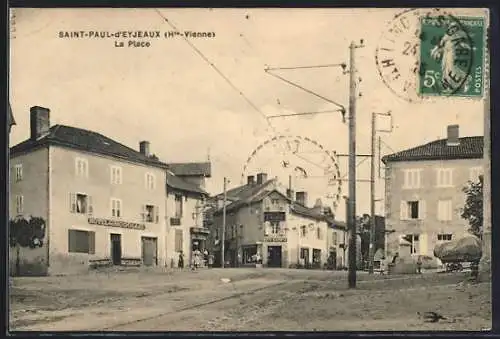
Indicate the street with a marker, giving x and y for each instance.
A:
(246, 299)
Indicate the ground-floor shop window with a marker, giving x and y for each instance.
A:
(81, 241)
(249, 254)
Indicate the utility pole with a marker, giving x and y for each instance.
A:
(371, 251)
(223, 249)
(372, 186)
(352, 167)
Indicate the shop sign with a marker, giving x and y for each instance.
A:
(116, 223)
(274, 216)
(275, 239)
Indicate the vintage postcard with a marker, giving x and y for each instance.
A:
(249, 169)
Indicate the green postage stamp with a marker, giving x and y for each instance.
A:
(452, 56)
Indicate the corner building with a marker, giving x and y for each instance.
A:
(99, 199)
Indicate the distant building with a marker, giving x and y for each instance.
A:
(99, 198)
(424, 191)
(185, 204)
(279, 227)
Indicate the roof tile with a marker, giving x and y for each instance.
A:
(469, 148)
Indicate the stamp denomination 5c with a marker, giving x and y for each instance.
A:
(451, 56)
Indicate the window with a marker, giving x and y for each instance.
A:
(116, 208)
(178, 206)
(412, 178)
(445, 177)
(275, 227)
(116, 175)
(81, 241)
(444, 237)
(275, 201)
(19, 172)
(414, 240)
(334, 238)
(178, 240)
(19, 204)
(150, 181)
(303, 230)
(318, 233)
(81, 167)
(304, 252)
(444, 210)
(80, 203)
(150, 214)
(412, 210)
(474, 173)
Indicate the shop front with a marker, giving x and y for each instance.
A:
(275, 250)
(199, 237)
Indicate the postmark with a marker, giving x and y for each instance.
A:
(301, 157)
(410, 64)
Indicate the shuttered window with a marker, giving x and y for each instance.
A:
(81, 241)
(178, 240)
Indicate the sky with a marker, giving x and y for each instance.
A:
(172, 97)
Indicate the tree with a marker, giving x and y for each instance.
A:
(473, 208)
(26, 233)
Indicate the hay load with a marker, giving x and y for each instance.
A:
(466, 249)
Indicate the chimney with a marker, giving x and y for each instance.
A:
(40, 121)
(250, 180)
(453, 137)
(289, 193)
(301, 198)
(261, 178)
(144, 148)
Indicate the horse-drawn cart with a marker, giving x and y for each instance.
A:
(454, 254)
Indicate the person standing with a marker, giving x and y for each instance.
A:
(180, 263)
(210, 260)
(419, 264)
(205, 257)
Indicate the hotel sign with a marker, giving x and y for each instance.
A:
(116, 223)
(275, 239)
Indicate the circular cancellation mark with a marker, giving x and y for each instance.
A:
(429, 52)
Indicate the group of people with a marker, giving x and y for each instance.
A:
(198, 259)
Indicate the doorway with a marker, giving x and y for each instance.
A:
(332, 260)
(116, 249)
(274, 256)
(149, 251)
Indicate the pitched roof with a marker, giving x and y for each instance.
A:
(245, 191)
(88, 141)
(469, 148)
(248, 194)
(191, 169)
(178, 183)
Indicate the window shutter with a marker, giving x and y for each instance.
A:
(143, 213)
(422, 209)
(71, 241)
(72, 202)
(91, 244)
(403, 210)
(157, 215)
(90, 205)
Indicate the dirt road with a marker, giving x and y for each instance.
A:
(257, 300)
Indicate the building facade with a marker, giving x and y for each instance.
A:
(277, 227)
(424, 194)
(99, 199)
(185, 205)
